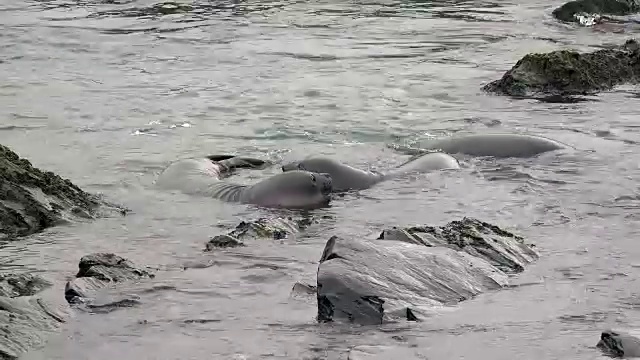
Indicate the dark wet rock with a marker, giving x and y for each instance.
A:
(619, 344)
(303, 290)
(110, 267)
(14, 285)
(109, 305)
(223, 241)
(32, 200)
(97, 271)
(577, 10)
(568, 73)
(276, 228)
(26, 319)
(414, 270)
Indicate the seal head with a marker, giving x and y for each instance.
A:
(292, 190)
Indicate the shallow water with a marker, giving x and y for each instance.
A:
(105, 95)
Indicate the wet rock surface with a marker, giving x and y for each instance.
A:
(577, 10)
(619, 344)
(97, 271)
(406, 272)
(14, 285)
(26, 318)
(565, 74)
(276, 228)
(502, 249)
(32, 200)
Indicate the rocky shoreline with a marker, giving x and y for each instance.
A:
(397, 277)
(32, 200)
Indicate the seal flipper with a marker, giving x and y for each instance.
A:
(220, 157)
(232, 162)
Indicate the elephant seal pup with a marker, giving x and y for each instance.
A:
(496, 145)
(345, 177)
(292, 190)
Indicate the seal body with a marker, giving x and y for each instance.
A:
(205, 177)
(496, 145)
(345, 177)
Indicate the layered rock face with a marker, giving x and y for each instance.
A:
(406, 273)
(32, 200)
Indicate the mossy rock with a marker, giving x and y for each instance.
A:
(568, 72)
(568, 11)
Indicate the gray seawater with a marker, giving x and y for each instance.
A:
(107, 96)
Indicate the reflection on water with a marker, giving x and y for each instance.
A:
(108, 92)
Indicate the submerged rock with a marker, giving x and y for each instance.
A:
(566, 73)
(415, 270)
(264, 228)
(574, 11)
(155, 10)
(381, 352)
(26, 319)
(618, 344)
(97, 271)
(14, 285)
(32, 200)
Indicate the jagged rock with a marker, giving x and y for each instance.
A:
(619, 344)
(263, 228)
(32, 200)
(574, 10)
(502, 249)
(567, 73)
(414, 270)
(26, 319)
(97, 271)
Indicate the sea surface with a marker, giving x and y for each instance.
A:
(108, 93)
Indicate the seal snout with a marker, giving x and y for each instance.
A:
(324, 183)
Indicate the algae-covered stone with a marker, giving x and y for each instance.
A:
(567, 72)
(32, 200)
(571, 11)
(276, 228)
